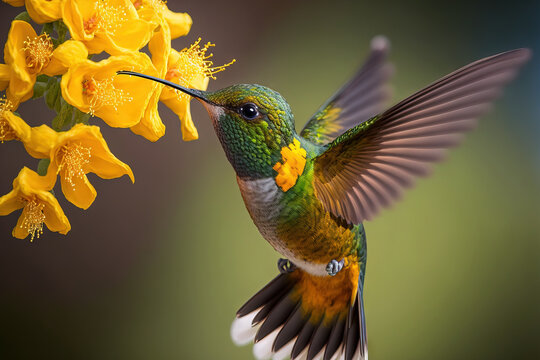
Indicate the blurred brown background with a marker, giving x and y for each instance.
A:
(157, 270)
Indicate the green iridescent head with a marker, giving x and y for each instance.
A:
(252, 122)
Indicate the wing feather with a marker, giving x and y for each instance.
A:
(368, 167)
(357, 101)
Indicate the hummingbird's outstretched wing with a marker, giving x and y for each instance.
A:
(357, 101)
(368, 166)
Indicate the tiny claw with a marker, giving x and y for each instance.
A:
(334, 267)
(285, 266)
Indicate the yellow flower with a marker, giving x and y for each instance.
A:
(77, 152)
(38, 141)
(292, 166)
(27, 55)
(151, 126)
(41, 11)
(169, 25)
(192, 69)
(12, 127)
(44, 11)
(31, 193)
(157, 12)
(107, 25)
(16, 3)
(120, 101)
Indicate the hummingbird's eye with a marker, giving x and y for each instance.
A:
(249, 111)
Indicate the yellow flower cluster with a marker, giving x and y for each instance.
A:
(292, 165)
(56, 65)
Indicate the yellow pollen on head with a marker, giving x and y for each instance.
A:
(106, 18)
(73, 158)
(193, 65)
(33, 218)
(6, 132)
(103, 93)
(38, 51)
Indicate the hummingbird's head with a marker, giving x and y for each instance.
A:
(252, 122)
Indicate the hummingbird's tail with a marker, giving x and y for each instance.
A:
(303, 316)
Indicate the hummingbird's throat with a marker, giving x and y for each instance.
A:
(291, 166)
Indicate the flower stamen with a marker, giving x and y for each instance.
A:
(106, 18)
(38, 52)
(6, 132)
(194, 65)
(33, 218)
(73, 158)
(104, 93)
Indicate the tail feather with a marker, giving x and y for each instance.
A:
(356, 343)
(299, 315)
(335, 340)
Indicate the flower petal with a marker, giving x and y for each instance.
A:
(129, 37)
(81, 193)
(130, 94)
(151, 127)
(29, 186)
(73, 17)
(66, 55)
(5, 75)
(180, 23)
(112, 26)
(41, 141)
(19, 231)
(20, 128)
(10, 202)
(160, 48)
(55, 219)
(107, 166)
(22, 82)
(20, 90)
(29, 182)
(44, 11)
(15, 3)
(181, 108)
(101, 162)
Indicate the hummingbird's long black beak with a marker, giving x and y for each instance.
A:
(198, 94)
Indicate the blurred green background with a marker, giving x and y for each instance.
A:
(157, 270)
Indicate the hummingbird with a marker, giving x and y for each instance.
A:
(309, 193)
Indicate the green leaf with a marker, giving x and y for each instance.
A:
(80, 117)
(47, 28)
(57, 123)
(64, 116)
(39, 89)
(58, 102)
(42, 78)
(43, 164)
(53, 92)
(24, 17)
(61, 30)
(51, 81)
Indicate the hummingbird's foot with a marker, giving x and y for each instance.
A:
(285, 266)
(334, 267)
